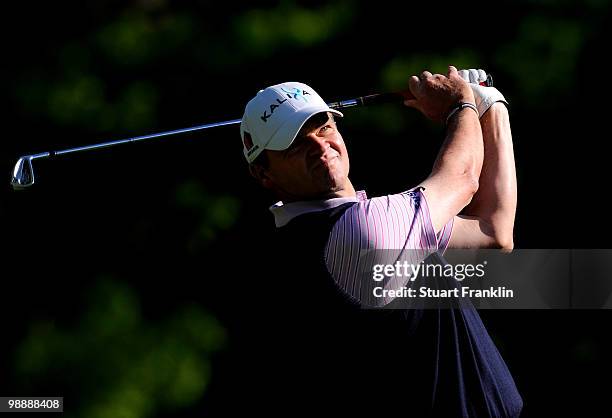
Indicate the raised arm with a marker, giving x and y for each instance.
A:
(454, 177)
(488, 221)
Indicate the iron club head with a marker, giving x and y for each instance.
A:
(23, 173)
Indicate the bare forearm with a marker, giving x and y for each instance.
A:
(454, 177)
(462, 151)
(495, 201)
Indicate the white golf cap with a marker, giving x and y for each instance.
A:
(273, 118)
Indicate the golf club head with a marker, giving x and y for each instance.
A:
(23, 173)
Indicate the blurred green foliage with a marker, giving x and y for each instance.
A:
(75, 92)
(262, 32)
(121, 364)
(137, 38)
(394, 73)
(540, 57)
(543, 58)
(214, 213)
(79, 100)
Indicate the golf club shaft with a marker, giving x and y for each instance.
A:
(359, 101)
(23, 173)
(144, 137)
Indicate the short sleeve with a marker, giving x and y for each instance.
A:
(399, 223)
(444, 235)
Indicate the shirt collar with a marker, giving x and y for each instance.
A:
(285, 212)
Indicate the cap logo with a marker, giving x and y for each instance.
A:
(296, 93)
(273, 107)
(293, 93)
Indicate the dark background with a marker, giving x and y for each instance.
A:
(127, 272)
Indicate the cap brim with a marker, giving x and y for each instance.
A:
(284, 137)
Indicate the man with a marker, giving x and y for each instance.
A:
(427, 362)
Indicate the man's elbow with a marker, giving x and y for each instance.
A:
(501, 238)
(470, 187)
(503, 242)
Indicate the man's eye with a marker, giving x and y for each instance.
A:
(324, 129)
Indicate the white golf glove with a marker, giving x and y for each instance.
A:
(485, 96)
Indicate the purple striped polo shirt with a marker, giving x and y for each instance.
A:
(393, 222)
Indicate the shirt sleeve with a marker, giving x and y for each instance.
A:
(444, 235)
(376, 232)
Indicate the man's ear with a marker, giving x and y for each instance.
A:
(261, 175)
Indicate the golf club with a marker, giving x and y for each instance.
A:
(23, 173)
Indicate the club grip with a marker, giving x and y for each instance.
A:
(399, 97)
(381, 98)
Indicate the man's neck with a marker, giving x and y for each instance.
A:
(348, 191)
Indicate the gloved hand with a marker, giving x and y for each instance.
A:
(485, 96)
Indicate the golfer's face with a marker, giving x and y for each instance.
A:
(315, 165)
